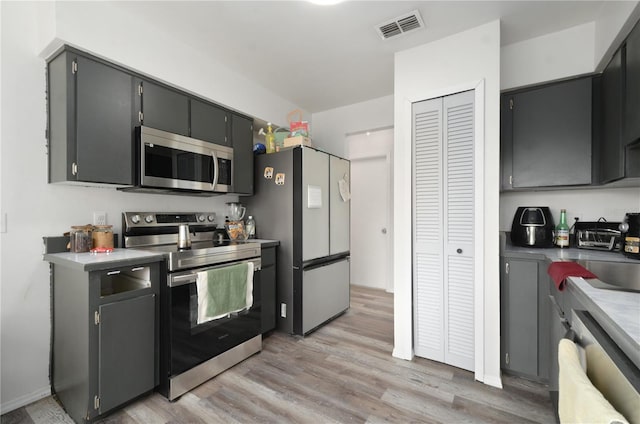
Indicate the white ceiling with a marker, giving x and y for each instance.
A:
(322, 57)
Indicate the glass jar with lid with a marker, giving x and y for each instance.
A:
(103, 236)
(80, 238)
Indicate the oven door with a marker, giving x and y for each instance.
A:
(190, 343)
(176, 162)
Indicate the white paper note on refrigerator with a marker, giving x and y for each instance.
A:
(314, 197)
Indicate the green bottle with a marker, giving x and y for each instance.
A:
(270, 140)
(562, 230)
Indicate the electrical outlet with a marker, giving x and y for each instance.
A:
(99, 218)
(283, 310)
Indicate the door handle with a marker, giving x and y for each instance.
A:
(384, 231)
(458, 250)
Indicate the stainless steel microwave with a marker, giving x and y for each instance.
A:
(175, 162)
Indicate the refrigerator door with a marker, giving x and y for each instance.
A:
(325, 293)
(339, 205)
(315, 204)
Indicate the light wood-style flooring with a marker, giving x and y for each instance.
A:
(341, 373)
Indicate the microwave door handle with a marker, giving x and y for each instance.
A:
(215, 170)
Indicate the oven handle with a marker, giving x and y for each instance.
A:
(181, 280)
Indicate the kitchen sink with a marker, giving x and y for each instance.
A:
(614, 275)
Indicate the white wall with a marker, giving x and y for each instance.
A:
(612, 27)
(330, 127)
(586, 204)
(433, 70)
(108, 30)
(34, 208)
(552, 56)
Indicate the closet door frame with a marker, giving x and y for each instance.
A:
(478, 225)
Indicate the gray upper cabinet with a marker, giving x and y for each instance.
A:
(94, 107)
(611, 153)
(632, 87)
(89, 141)
(551, 135)
(242, 140)
(209, 123)
(164, 108)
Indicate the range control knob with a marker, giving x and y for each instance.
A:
(135, 219)
(148, 219)
(201, 218)
(211, 218)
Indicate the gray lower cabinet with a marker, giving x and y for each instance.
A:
(164, 108)
(209, 123)
(89, 141)
(546, 135)
(105, 337)
(524, 321)
(242, 140)
(268, 289)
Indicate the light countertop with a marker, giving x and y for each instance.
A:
(95, 262)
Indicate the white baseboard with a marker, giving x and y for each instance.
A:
(492, 380)
(24, 400)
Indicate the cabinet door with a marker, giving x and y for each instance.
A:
(268, 290)
(242, 141)
(519, 294)
(126, 350)
(165, 109)
(209, 123)
(611, 158)
(104, 123)
(552, 135)
(632, 89)
(506, 142)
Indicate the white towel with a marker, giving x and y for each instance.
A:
(202, 285)
(579, 401)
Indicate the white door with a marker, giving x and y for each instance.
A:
(370, 208)
(443, 199)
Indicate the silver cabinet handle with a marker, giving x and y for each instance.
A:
(116, 272)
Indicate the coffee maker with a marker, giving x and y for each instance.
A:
(532, 227)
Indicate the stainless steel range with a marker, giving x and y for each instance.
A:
(194, 350)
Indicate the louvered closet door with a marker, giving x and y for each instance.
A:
(458, 229)
(428, 243)
(443, 136)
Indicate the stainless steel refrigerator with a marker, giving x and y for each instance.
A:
(301, 197)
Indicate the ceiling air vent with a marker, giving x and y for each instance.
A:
(400, 25)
